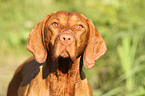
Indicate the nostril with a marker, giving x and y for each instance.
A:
(66, 39)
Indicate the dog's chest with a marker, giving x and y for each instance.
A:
(53, 85)
(61, 86)
(36, 85)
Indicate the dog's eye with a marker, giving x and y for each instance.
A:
(54, 24)
(80, 26)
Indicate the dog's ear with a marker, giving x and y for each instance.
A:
(95, 48)
(35, 41)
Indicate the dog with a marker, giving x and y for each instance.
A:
(61, 44)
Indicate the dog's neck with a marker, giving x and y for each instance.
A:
(62, 75)
(62, 67)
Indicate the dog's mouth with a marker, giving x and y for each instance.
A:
(64, 54)
(63, 51)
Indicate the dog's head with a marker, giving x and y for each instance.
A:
(66, 35)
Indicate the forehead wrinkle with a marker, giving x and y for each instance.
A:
(62, 18)
(75, 19)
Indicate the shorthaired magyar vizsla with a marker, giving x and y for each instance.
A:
(61, 43)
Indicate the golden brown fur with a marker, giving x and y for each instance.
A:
(61, 43)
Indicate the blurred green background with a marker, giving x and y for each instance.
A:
(120, 72)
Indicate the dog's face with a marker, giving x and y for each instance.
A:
(66, 35)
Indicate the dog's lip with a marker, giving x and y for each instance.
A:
(64, 54)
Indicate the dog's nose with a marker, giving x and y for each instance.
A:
(66, 38)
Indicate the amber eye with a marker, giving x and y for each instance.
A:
(80, 26)
(54, 24)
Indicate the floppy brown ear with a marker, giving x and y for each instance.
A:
(96, 47)
(35, 41)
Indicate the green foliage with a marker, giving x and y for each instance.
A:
(120, 72)
(130, 64)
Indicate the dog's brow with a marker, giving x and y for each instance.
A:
(62, 18)
(74, 19)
